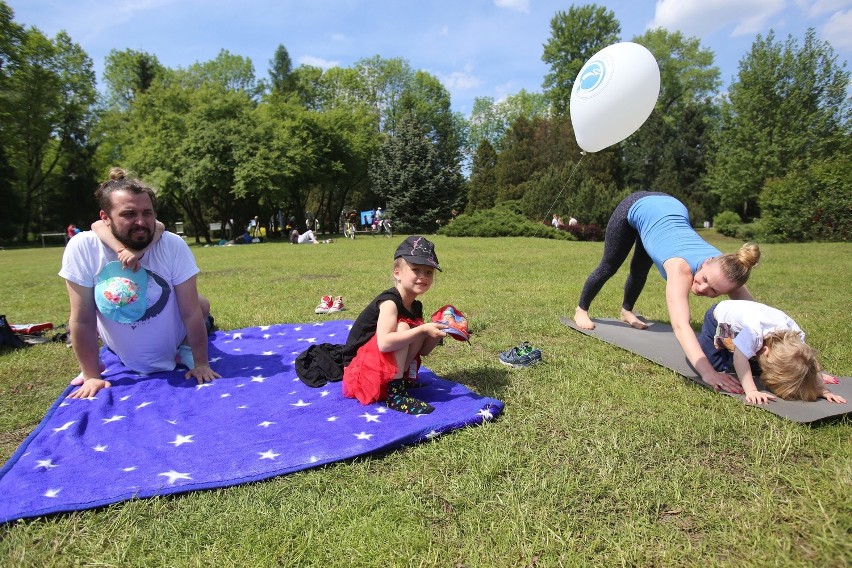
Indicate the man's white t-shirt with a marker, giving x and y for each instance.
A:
(749, 322)
(149, 344)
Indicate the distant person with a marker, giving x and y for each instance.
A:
(71, 230)
(557, 222)
(658, 225)
(735, 331)
(306, 238)
(572, 222)
(153, 319)
(384, 347)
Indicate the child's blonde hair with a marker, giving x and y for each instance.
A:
(789, 367)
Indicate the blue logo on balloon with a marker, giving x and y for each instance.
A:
(592, 76)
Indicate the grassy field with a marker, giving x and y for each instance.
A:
(600, 458)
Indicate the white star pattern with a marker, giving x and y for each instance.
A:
(64, 426)
(485, 413)
(264, 327)
(114, 418)
(174, 476)
(153, 421)
(181, 440)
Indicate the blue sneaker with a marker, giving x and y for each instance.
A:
(523, 355)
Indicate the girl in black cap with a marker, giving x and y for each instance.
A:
(383, 351)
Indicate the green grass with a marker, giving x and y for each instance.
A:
(600, 458)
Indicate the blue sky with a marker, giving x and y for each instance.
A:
(475, 47)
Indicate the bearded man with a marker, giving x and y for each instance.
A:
(152, 318)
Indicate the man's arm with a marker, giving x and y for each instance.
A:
(84, 338)
(196, 332)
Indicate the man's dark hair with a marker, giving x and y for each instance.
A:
(117, 182)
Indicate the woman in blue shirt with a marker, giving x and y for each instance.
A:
(658, 225)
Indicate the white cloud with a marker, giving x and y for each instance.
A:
(460, 81)
(318, 62)
(822, 7)
(705, 17)
(338, 37)
(836, 30)
(516, 5)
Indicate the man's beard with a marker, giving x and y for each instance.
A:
(127, 240)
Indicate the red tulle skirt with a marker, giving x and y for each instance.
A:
(368, 374)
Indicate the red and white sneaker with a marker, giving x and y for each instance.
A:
(337, 305)
(324, 306)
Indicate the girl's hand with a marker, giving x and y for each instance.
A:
(757, 397)
(435, 329)
(130, 259)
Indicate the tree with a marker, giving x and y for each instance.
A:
(574, 37)
(669, 152)
(482, 189)
(49, 100)
(788, 108)
(281, 71)
(490, 120)
(408, 173)
(128, 74)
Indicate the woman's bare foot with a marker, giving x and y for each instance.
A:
(630, 319)
(582, 319)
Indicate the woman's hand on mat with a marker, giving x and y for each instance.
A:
(757, 397)
(90, 388)
(723, 381)
(203, 374)
(829, 379)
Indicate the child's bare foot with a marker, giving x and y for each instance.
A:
(630, 319)
(582, 319)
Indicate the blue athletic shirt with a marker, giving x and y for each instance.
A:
(663, 225)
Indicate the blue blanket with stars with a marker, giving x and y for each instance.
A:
(161, 434)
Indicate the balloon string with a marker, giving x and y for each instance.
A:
(561, 191)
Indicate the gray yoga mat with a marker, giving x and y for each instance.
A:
(657, 343)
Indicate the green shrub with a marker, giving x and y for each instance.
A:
(502, 221)
(815, 204)
(727, 223)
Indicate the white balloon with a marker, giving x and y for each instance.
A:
(613, 95)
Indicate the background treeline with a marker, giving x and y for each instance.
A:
(771, 155)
